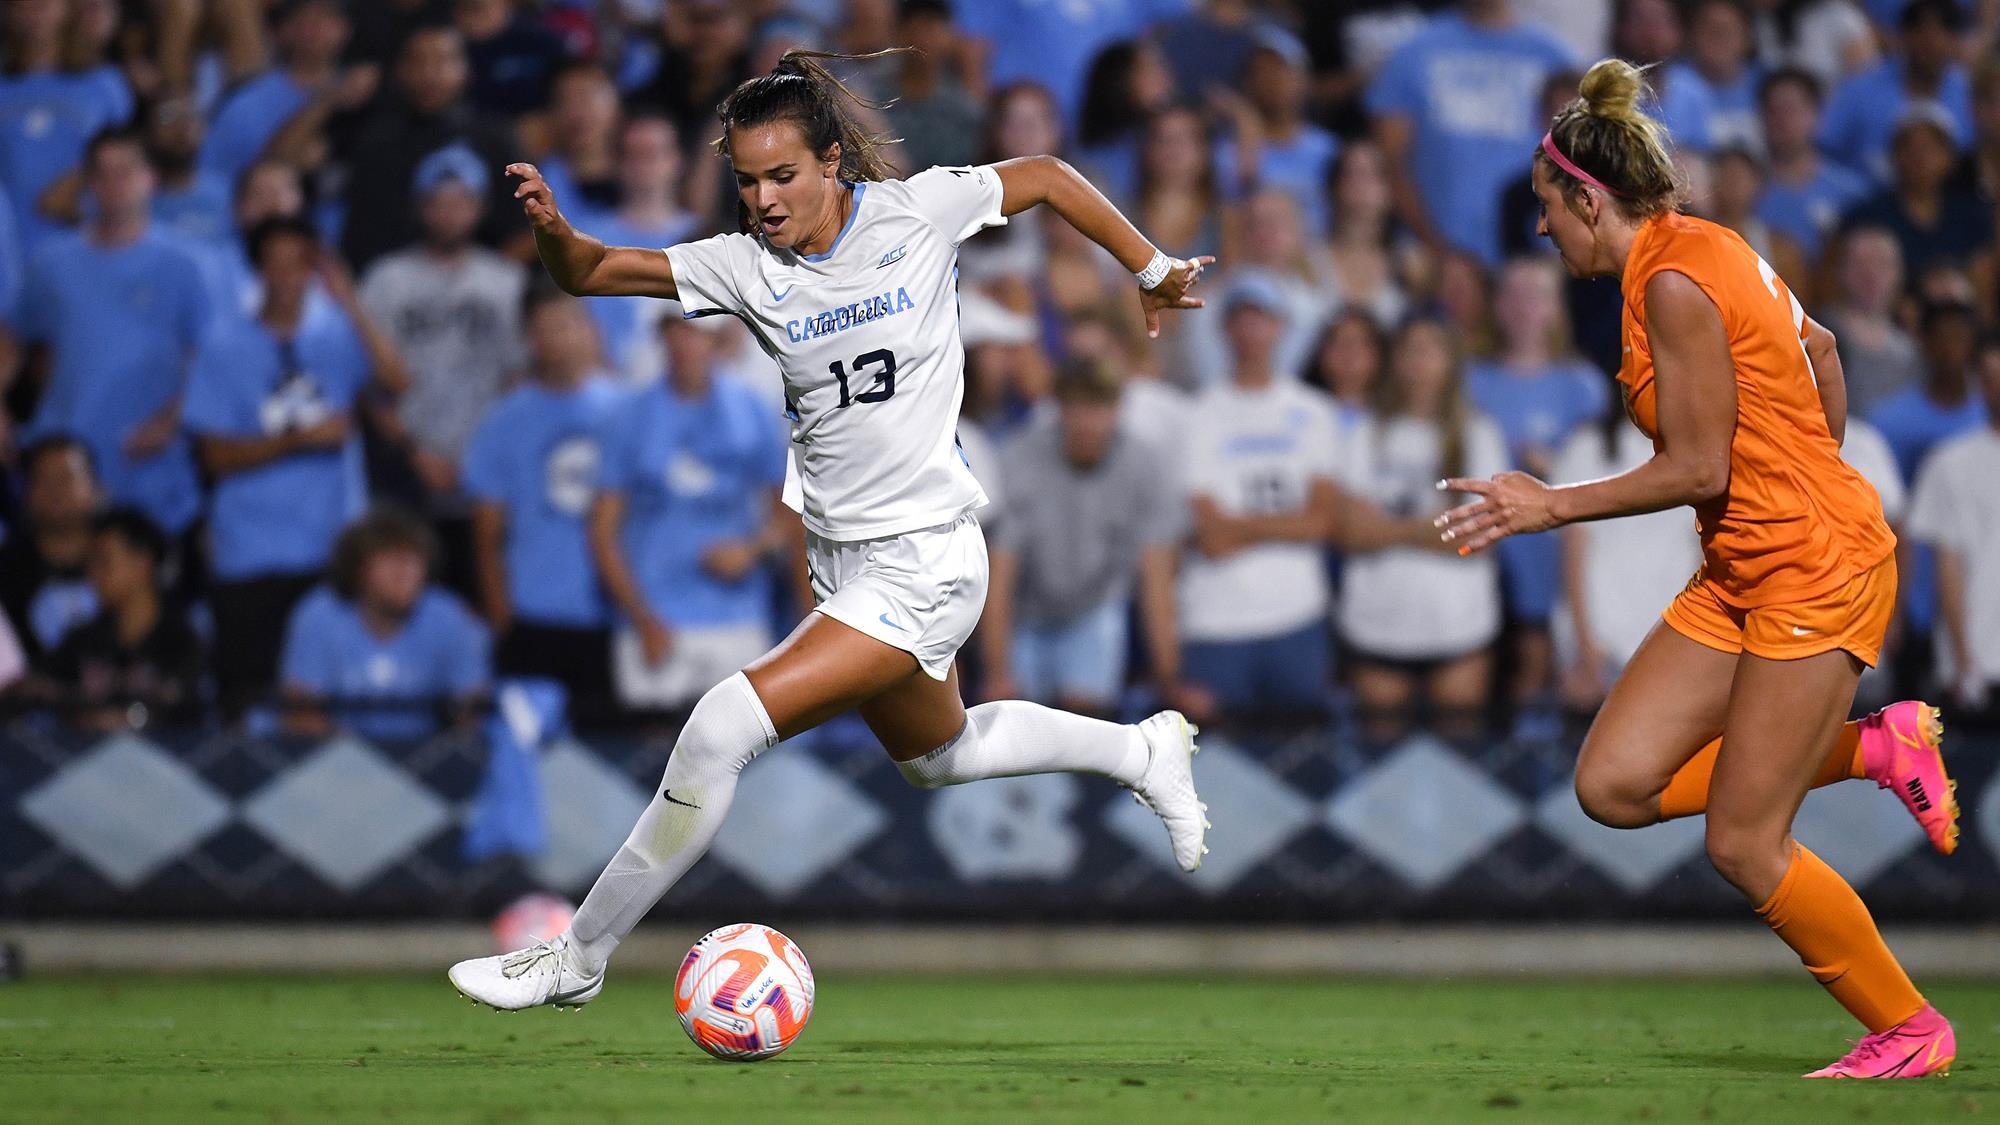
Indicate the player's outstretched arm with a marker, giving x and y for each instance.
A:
(1163, 281)
(1696, 382)
(580, 264)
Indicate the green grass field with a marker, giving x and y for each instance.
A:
(986, 1049)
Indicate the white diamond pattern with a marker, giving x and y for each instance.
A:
(589, 809)
(1254, 814)
(1424, 812)
(345, 813)
(1008, 827)
(126, 808)
(1633, 858)
(1857, 829)
(792, 821)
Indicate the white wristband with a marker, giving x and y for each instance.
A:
(1155, 272)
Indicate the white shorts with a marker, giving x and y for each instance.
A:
(698, 659)
(920, 591)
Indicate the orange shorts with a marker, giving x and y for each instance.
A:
(1854, 618)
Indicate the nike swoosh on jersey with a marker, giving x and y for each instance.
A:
(884, 619)
(777, 296)
(1802, 631)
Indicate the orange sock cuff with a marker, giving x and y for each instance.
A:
(1814, 911)
(1686, 793)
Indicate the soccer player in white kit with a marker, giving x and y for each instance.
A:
(849, 280)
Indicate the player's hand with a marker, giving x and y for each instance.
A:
(1509, 504)
(537, 201)
(732, 560)
(1172, 293)
(655, 641)
(327, 433)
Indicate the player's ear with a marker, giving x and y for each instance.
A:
(830, 160)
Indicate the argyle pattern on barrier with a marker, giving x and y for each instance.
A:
(1308, 827)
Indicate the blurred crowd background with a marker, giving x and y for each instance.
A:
(295, 427)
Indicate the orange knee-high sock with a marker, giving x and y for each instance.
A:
(1816, 913)
(1687, 791)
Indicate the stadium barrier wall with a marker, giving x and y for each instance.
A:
(1310, 827)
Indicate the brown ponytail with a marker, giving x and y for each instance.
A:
(1605, 133)
(801, 90)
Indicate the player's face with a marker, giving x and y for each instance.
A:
(789, 191)
(1572, 234)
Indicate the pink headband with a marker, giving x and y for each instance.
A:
(1563, 162)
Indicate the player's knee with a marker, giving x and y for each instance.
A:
(726, 729)
(1613, 800)
(1740, 853)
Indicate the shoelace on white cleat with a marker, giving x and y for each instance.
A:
(521, 962)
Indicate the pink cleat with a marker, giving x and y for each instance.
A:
(1902, 751)
(1922, 1046)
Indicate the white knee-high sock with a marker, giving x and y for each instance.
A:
(727, 728)
(1014, 737)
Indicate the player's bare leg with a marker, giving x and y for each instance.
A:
(935, 741)
(1783, 717)
(1671, 700)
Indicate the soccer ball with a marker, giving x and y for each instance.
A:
(744, 992)
(530, 917)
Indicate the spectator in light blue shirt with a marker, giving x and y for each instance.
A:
(1456, 111)
(1052, 43)
(48, 112)
(1865, 109)
(378, 650)
(1289, 153)
(121, 307)
(1651, 33)
(309, 35)
(648, 214)
(1721, 60)
(531, 470)
(1538, 394)
(1804, 194)
(192, 202)
(684, 523)
(272, 406)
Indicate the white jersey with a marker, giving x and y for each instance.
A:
(1257, 452)
(866, 336)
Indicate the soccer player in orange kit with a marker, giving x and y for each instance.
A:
(1735, 706)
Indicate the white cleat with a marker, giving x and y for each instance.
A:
(1168, 785)
(543, 973)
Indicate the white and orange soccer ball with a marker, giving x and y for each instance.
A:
(528, 919)
(744, 992)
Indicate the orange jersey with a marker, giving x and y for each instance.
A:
(1795, 523)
